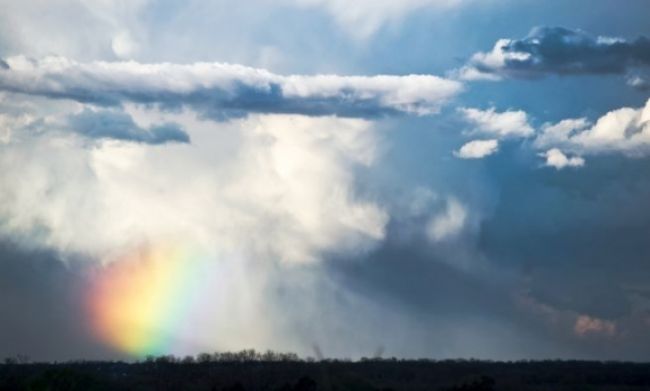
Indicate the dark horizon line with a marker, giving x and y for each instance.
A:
(251, 356)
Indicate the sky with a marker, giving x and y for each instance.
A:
(422, 178)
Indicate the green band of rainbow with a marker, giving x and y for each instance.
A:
(137, 302)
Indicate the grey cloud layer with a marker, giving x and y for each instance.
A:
(108, 124)
(561, 51)
(223, 90)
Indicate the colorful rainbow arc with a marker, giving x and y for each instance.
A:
(137, 302)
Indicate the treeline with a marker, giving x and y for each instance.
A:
(243, 356)
(253, 356)
(249, 370)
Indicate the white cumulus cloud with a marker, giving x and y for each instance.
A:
(477, 149)
(506, 124)
(625, 130)
(265, 187)
(557, 159)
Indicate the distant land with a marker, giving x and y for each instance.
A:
(248, 370)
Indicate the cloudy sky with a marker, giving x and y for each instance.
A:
(422, 178)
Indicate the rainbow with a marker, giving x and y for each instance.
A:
(137, 302)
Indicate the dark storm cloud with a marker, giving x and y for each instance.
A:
(431, 285)
(593, 218)
(561, 51)
(558, 250)
(422, 277)
(220, 91)
(117, 125)
(42, 307)
(578, 239)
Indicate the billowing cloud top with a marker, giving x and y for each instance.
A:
(221, 90)
(558, 50)
(363, 17)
